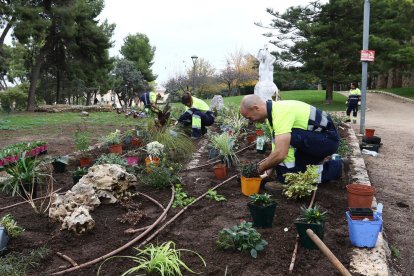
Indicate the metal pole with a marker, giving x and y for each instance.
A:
(193, 77)
(365, 40)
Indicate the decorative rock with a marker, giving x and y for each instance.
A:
(84, 114)
(80, 221)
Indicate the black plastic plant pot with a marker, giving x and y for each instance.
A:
(213, 153)
(262, 216)
(76, 178)
(4, 239)
(306, 242)
(28, 188)
(59, 167)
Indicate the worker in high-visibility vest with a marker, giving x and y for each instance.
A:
(149, 100)
(197, 115)
(354, 97)
(301, 135)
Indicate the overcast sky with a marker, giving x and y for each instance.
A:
(211, 29)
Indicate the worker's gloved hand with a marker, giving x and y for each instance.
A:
(267, 173)
(359, 103)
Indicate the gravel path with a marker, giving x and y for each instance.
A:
(392, 173)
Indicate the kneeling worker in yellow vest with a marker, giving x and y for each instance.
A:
(197, 115)
(301, 135)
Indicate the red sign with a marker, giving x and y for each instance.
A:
(367, 55)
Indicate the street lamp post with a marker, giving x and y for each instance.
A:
(194, 58)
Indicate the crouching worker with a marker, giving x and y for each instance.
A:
(197, 115)
(301, 135)
(149, 100)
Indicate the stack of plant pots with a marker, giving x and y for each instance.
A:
(11, 153)
(369, 141)
(364, 225)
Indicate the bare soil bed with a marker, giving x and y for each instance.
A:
(196, 229)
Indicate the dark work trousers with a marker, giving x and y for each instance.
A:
(352, 106)
(311, 149)
(207, 119)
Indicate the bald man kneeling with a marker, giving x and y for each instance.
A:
(301, 135)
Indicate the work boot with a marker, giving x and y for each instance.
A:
(273, 187)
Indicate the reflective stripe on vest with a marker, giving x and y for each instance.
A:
(196, 121)
(318, 120)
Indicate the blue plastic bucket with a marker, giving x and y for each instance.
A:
(364, 233)
(4, 238)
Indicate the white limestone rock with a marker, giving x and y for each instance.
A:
(79, 221)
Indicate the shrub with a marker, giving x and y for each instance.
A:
(80, 171)
(13, 230)
(181, 198)
(301, 184)
(242, 237)
(262, 199)
(82, 140)
(111, 158)
(14, 96)
(249, 170)
(160, 177)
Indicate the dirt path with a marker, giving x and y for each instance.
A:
(392, 173)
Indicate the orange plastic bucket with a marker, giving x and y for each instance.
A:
(250, 186)
(154, 161)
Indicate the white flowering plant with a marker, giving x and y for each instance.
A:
(155, 149)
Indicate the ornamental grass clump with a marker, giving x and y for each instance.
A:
(224, 143)
(242, 237)
(301, 184)
(164, 259)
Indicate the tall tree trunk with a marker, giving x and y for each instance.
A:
(382, 81)
(329, 92)
(411, 79)
(34, 76)
(5, 31)
(57, 86)
(88, 98)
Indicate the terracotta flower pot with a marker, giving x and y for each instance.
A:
(136, 142)
(220, 171)
(369, 132)
(250, 186)
(85, 161)
(251, 137)
(117, 149)
(259, 132)
(360, 196)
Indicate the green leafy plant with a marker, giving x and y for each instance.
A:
(155, 149)
(164, 259)
(395, 253)
(13, 230)
(113, 138)
(262, 199)
(225, 144)
(161, 176)
(111, 158)
(312, 215)
(16, 264)
(344, 149)
(242, 237)
(249, 170)
(24, 171)
(301, 184)
(212, 194)
(82, 140)
(80, 171)
(181, 198)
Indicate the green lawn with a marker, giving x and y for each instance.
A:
(22, 120)
(405, 91)
(313, 97)
(15, 121)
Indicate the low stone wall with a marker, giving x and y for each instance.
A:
(392, 95)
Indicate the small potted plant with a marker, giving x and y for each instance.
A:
(224, 143)
(82, 142)
(155, 151)
(310, 218)
(78, 174)
(127, 136)
(220, 171)
(301, 184)
(113, 141)
(250, 178)
(8, 229)
(262, 208)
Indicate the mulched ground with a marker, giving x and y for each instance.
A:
(196, 229)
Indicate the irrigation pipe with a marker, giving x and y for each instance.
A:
(125, 246)
(295, 250)
(215, 162)
(26, 201)
(133, 231)
(328, 253)
(179, 213)
(67, 258)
